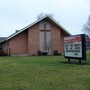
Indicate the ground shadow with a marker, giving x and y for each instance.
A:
(76, 63)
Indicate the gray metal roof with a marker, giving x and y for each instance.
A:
(2, 39)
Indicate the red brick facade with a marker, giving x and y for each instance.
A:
(18, 44)
(55, 38)
(27, 42)
(33, 40)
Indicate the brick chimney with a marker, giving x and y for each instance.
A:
(16, 31)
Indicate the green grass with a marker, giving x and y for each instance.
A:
(43, 73)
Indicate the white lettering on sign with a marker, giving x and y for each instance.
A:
(73, 46)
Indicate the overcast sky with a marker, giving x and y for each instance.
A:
(16, 14)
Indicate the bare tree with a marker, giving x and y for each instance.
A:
(41, 15)
(86, 27)
(50, 14)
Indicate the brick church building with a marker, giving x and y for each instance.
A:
(45, 35)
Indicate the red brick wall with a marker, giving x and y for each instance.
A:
(5, 47)
(27, 42)
(62, 42)
(18, 44)
(33, 39)
(63, 35)
(55, 38)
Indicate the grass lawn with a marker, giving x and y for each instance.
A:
(43, 73)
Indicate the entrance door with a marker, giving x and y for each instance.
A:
(45, 41)
(45, 36)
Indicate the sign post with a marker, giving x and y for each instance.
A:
(75, 47)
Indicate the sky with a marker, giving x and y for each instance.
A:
(16, 14)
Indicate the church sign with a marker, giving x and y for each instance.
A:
(75, 47)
